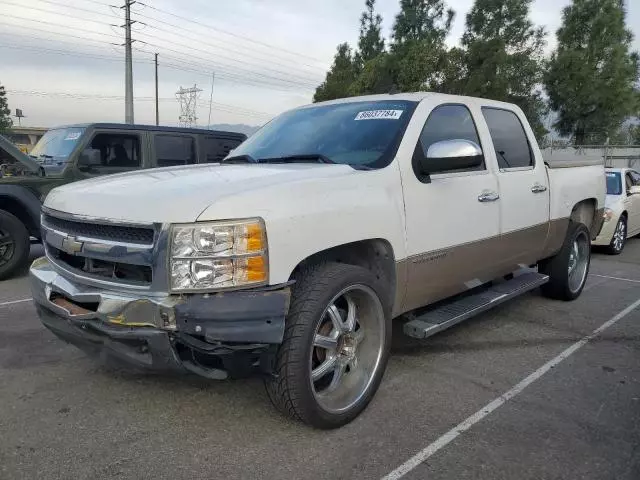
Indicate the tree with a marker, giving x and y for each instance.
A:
(504, 57)
(421, 20)
(370, 42)
(591, 76)
(5, 112)
(378, 75)
(418, 44)
(339, 78)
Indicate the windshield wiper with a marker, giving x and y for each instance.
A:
(307, 158)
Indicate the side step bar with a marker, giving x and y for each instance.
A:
(452, 313)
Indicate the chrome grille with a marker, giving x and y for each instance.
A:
(117, 233)
(121, 254)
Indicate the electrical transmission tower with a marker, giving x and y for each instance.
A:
(188, 98)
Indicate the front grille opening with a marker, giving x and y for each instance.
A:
(63, 301)
(104, 269)
(201, 359)
(118, 233)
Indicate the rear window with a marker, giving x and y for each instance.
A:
(215, 148)
(175, 150)
(614, 185)
(509, 138)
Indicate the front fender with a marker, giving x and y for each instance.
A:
(306, 217)
(26, 199)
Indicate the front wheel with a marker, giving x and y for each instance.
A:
(619, 237)
(335, 347)
(14, 244)
(569, 268)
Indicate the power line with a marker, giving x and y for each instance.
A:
(90, 96)
(48, 32)
(226, 45)
(291, 78)
(66, 15)
(302, 83)
(78, 9)
(61, 26)
(245, 71)
(263, 44)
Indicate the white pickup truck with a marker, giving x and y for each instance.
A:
(292, 256)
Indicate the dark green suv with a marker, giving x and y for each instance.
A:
(77, 152)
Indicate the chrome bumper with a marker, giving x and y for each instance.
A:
(210, 335)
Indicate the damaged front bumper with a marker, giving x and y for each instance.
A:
(213, 335)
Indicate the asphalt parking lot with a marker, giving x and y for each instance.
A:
(65, 416)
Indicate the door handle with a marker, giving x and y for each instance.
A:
(488, 196)
(538, 188)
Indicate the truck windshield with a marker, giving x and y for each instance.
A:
(360, 134)
(57, 143)
(614, 185)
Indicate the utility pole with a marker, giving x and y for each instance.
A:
(128, 68)
(213, 79)
(157, 111)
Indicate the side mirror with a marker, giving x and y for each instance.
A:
(451, 155)
(90, 157)
(634, 190)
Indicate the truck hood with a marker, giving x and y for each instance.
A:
(7, 146)
(177, 194)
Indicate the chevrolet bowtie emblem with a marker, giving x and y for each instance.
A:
(71, 245)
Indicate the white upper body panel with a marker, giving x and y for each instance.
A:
(308, 208)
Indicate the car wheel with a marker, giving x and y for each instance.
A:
(619, 238)
(568, 269)
(335, 347)
(14, 244)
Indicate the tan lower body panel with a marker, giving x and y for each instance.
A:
(436, 275)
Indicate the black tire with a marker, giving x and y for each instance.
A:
(615, 248)
(557, 266)
(14, 255)
(290, 389)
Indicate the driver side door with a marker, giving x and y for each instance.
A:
(452, 218)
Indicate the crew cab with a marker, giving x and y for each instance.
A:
(292, 256)
(76, 152)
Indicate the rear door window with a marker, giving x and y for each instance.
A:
(509, 138)
(174, 150)
(216, 149)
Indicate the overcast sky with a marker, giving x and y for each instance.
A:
(57, 55)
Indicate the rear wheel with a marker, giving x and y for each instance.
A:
(619, 238)
(335, 346)
(14, 244)
(569, 268)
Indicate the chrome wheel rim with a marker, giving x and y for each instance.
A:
(348, 344)
(7, 247)
(578, 262)
(619, 236)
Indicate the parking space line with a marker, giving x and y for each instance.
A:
(465, 425)
(11, 302)
(615, 278)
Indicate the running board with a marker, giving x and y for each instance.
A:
(452, 313)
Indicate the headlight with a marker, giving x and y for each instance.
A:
(210, 256)
(608, 214)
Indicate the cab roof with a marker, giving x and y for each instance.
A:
(418, 97)
(154, 128)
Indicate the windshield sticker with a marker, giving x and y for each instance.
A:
(72, 136)
(379, 115)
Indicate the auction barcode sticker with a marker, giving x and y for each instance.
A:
(379, 115)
